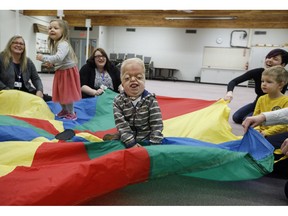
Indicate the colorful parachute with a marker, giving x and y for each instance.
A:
(38, 169)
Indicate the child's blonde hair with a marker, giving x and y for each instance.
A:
(278, 73)
(132, 61)
(52, 45)
(7, 54)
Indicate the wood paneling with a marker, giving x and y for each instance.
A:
(40, 28)
(156, 18)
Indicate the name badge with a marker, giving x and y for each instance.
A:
(18, 84)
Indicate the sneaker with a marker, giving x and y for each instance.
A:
(71, 116)
(115, 136)
(62, 113)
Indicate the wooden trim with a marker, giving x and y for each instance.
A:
(40, 28)
(156, 18)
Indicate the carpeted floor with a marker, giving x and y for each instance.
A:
(186, 191)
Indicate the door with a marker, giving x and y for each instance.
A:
(79, 46)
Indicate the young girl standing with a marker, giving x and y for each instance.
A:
(66, 84)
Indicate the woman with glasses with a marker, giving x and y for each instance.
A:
(16, 69)
(99, 74)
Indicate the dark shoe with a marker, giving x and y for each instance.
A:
(47, 97)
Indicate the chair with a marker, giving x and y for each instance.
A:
(130, 55)
(148, 67)
(147, 60)
(121, 57)
(139, 56)
(113, 56)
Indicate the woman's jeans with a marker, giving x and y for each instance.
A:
(245, 111)
(277, 139)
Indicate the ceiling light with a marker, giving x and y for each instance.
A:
(203, 18)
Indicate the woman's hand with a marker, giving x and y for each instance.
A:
(253, 121)
(98, 92)
(284, 147)
(39, 94)
(228, 96)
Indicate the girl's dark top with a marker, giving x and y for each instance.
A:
(254, 74)
(87, 77)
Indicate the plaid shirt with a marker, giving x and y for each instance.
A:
(140, 122)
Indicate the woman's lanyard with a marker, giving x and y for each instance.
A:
(101, 76)
(18, 73)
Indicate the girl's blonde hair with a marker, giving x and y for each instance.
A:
(132, 61)
(278, 72)
(7, 54)
(52, 45)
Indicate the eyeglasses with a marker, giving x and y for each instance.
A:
(18, 43)
(99, 56)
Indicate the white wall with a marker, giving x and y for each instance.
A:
(102, 37)
(273, 36)
(172, 47)
(9, 28)
(168, 47)
(94, 34)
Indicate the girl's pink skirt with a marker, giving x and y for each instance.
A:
(66, 86)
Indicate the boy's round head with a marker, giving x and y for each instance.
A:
(278, 73)
(133, 77)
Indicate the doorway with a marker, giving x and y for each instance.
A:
(79, 46)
